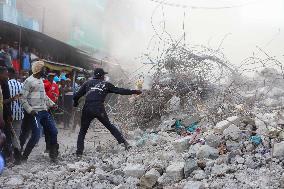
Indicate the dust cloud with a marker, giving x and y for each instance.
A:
(130, 29)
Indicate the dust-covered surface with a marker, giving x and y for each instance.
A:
(200, 123)
(157, 160)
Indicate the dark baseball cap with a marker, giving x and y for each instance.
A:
(99, 72)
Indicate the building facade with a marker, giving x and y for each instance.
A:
(10, 13)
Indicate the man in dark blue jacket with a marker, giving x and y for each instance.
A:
(96, 91)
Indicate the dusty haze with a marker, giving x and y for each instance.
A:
(127, 28)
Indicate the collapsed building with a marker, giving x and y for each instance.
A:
(200, 124)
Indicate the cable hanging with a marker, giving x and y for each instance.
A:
(200, 7)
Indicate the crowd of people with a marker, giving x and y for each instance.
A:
(18, 58)
(18, 107)
(28, 109)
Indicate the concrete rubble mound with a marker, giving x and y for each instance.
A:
(194, 128)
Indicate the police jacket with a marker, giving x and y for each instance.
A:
(96, 91)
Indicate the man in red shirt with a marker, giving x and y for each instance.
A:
(51, 88)
(52, 91)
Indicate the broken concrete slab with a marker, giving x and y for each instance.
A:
(207, 152)
(190, 166)
(135, 171)
(213, 140)
(232, 132)
(176, 171)
(278, 150)
(182, 144)
(222, 125)
(149, 179)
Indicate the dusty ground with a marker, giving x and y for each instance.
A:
(103, 166)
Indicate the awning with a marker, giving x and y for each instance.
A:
(59, 67)
(61, 52)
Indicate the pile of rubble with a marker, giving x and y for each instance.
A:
(225, 157)
(229, 131)
(183, 80)
(196, 128)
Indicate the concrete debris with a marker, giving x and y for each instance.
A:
(149, 179)
(15, 181)
(193, 185)
(221, 154)
(220, 170)
(136, 171)
(278, 150)
(190, 166)
(182, 144)
(199, 175)
(207, 152)
(222, 125)
(240, 160)
(213, 140)
(175, 171)
(232, 132)
(282, 181)
(174, 104)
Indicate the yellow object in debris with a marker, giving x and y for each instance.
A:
(139, 84)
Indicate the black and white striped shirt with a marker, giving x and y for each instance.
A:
(15, 88)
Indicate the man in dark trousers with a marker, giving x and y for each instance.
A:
(96, 91)
(36, 104)
(11, 144)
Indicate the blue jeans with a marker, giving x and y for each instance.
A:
(32, 123)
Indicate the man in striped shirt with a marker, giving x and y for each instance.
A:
(15, 88)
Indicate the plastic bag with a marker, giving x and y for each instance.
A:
(256, 140)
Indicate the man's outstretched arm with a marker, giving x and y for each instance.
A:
(122, 91)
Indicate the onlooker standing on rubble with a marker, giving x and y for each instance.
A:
(51, 88)
(2, 135)
(52, 91)
(15, 88)
(96, 91)
(11, 139)
(26, 60)
(67, 106)
(36, 105)
(5, 57)
(14, 52)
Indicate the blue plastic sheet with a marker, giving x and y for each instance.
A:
(192, 127)
(256, 139)
(178, 124)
